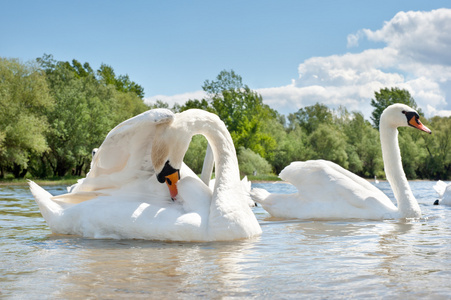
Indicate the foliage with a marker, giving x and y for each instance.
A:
(86, 108)
(241, 109)
(53, 113)
(311, 117)
(122, 83)
(251, 163)
(328, 143)
(386, 97)
(437, 163)
(195, 155)
(23, 94)
(363, 146)
(225, 81)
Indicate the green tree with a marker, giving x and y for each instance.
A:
(327, 142)
(251, 163)
(243, 113)
(413, 152)
(310, 117)
(437, 164)
(86, 109)
(84, 70)
(198, 104)
(363, 147)
(241, 109)
(294, 146)
(122, 83)
(225, 81)
(386, 97)
(107, 75)
(23, 95)
(195, 155)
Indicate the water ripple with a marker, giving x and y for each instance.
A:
(292, 259)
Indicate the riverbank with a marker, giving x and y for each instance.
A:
(50, 181)
(72, 179)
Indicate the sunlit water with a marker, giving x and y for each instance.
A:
(292, 259)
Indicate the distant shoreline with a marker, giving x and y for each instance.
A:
(22, 182)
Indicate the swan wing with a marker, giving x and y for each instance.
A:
(446, 198)
(125, 153)
(440, 188)
(326, 189)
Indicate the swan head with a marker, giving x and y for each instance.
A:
(171, 176)
(94, 151)
(168, 149)
(401, 115)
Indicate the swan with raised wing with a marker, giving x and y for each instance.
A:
(124, 195)
(444, 192)
(328, 191)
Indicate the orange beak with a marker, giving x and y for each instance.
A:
(417, 124)
(171, 181)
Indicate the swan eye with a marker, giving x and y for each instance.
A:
(404, 112)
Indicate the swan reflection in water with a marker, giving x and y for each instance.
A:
(155, 269)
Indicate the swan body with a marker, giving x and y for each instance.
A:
(444, 192)
(122, 196)
(328, 191)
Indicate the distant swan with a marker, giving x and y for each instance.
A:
(328, 191)
(122, 196)
(444, 192)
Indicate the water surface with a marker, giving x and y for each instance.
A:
(292, 259)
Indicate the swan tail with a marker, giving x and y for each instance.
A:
(259, 195)
(49, 209)
(246, 184)
(247, 191)
(440, 188)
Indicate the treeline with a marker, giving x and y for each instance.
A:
(267, 141)
(53, 113)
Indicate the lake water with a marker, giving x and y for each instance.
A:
(291, 260)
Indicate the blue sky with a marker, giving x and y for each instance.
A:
(295, 53)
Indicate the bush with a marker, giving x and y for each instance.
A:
(194, 157)
(252, 163)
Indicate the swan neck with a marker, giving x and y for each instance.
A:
(407, 204)
(221, 143)
(207, 167)
(224, 154)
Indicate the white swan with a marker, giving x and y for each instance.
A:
(327, 191)
(122, 196)
(444, 192)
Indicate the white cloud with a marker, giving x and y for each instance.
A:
(415, 56)
(442, 113)
(349, 80)
(353, 40)
(340, 70)
(179, 98)
(420, 36)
